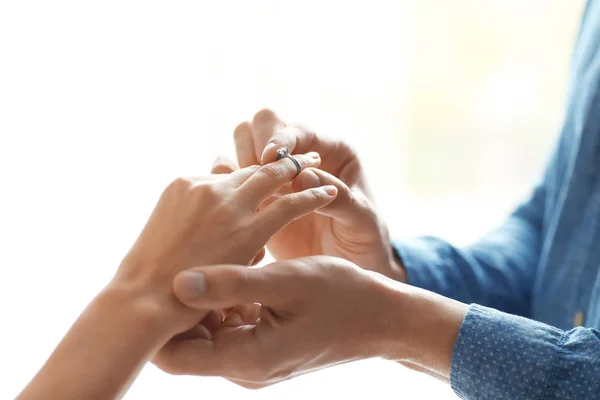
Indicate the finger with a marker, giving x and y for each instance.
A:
(244, 145)
(259, 257)
(246, 314)
(347, 208)
(210, 357)
(224, 165)
(264, 126)
(296, 138)
(196, 332)
(291, 207)
(210, 288)
(212, 321)
(204, 329)
(269, 178)
(337, 157)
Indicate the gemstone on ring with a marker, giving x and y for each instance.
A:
(282, 152)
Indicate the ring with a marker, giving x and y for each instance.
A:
(284, 153)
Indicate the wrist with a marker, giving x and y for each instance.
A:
(423, 328)
(154, 295)
(152, 304)
(148, 311)
(119, 324)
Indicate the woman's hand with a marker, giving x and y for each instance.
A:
(214, 220)
(197, 222)
(350, 227)
(315, 312)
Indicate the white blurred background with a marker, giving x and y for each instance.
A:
(452, 106)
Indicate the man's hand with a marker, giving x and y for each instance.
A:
(350, 227)
(315, 312)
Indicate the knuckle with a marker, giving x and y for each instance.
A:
(167, 364)
(301, 270)
(317, 271)
(251, 170)
(222, 165)
(343, 269)
(180, 183)
(241, 175)
(206, 191)
(272, 170)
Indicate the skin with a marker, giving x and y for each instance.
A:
(274, 323)
(350, 227)
(323, 311)
(197, 222)
(316, 312)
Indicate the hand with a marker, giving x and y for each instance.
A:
(197, 221)
(316, 312)
(349, 227)
(211, 220)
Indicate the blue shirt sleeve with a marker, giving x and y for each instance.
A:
(503, 356)
(498, 270)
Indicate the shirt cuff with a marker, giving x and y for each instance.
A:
(424, 260)
(502, 356)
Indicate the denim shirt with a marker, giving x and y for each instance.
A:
(532, 329)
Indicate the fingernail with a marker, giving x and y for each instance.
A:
(192, 284)
(329, 190)
(310, 180)
(266, 150)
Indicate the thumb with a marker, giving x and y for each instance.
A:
(349, 207)
(209, 288)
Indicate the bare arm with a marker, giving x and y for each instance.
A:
(197, 222)
(105, 349)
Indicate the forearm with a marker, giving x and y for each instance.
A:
(485, 353)
(502, 263)
(104, 350)
(424, 334)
